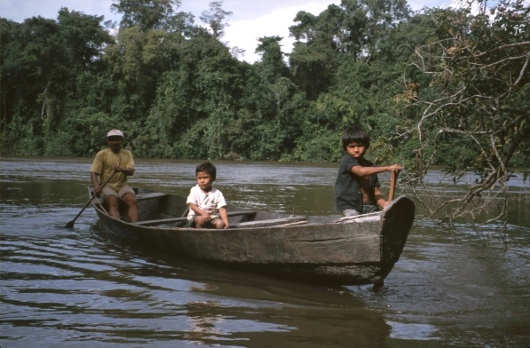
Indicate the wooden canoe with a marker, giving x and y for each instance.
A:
(322, 249)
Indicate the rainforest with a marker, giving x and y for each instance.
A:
(447, 87)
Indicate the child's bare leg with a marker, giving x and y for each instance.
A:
(199, 222)
(219, 224)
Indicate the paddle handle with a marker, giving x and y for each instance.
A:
(393, 180)
(71, 223)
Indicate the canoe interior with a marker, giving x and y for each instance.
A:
(164, 210)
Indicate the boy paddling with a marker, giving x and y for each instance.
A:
(357, 186)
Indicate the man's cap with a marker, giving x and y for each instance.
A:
(115, 133)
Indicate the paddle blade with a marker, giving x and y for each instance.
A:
(69, 225)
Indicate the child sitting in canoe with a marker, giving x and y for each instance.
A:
(207, 204)
(357, 186)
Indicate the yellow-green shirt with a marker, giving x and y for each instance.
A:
(105, 161)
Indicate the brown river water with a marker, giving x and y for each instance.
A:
(80, 287)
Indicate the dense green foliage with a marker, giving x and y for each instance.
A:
(177, 92)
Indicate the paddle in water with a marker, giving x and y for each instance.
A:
(71, 223)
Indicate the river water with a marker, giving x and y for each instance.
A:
(468, 287)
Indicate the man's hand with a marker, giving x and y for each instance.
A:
(126, 171)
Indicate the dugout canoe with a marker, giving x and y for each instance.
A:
(329, 250)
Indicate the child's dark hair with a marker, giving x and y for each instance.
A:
(207, 167)
(355, 134)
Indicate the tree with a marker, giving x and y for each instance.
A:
(42, 59)
(355, 31)
(215, 17)
(479, 99)
(152, 14)
(366, 22)
(272, 65)
(314, 57)
(196, 102)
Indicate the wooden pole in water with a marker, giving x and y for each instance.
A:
(393, 180)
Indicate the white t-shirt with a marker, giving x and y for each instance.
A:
(208, 202)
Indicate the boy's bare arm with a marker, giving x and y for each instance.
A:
(224, 216)
(367, 171)
(200, 212)
(379, 198)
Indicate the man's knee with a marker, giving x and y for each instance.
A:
(130, 199)
(112, 201)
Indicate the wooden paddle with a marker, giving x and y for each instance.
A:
(393, 180)
(71, 223)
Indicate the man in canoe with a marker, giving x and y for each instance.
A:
(357, 186)
(115, 165)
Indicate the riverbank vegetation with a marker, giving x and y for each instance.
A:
(445, 87)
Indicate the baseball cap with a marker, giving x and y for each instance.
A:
(115, 133)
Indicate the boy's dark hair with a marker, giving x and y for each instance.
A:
(208, 168)
(355, 134)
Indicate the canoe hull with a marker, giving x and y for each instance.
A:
(346, 252)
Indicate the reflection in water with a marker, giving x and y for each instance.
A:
(80, 287)
(203, 325)
(424, 332)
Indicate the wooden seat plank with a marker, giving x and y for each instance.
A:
(270, 222)
(184, 218)
(149, 195)
(160, 221)
(140, 196)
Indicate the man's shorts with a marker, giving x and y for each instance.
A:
(107, 191)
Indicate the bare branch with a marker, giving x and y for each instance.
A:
(527, 55)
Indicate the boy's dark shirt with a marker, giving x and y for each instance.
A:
(347, 187)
